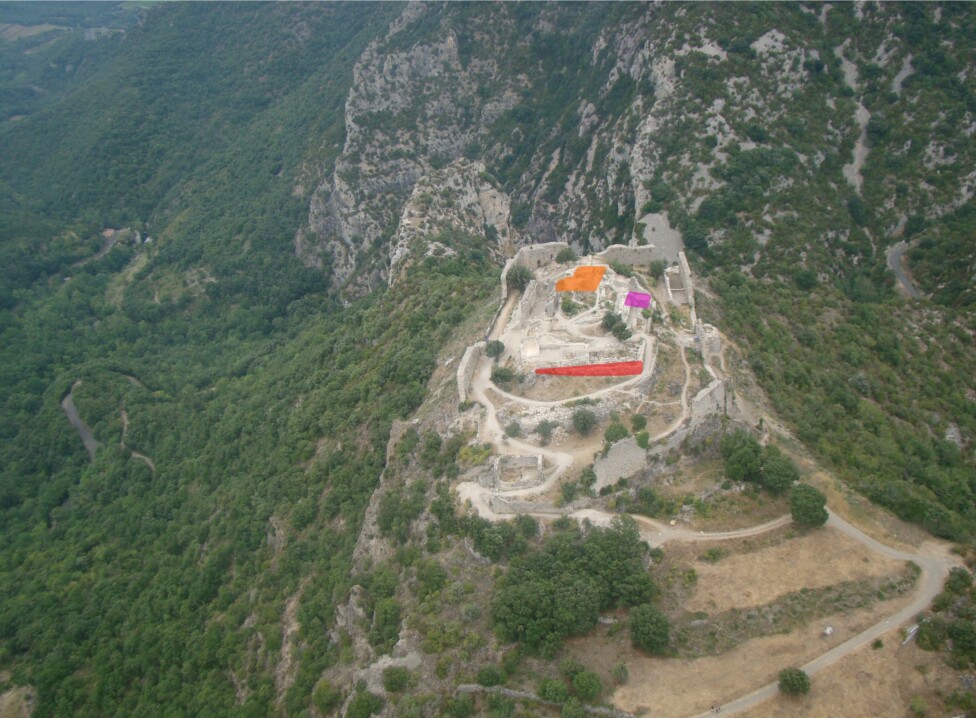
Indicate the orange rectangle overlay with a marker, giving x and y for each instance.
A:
(620, 368)
(584, 279)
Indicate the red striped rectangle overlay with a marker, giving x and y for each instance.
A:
(620, 368)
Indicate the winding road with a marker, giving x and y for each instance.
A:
(935, 565)
(894, 256)
(74, 418)
(933, 560)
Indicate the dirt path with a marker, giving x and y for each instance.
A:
(935, 564)
(146, 459)
(482, 381)
(106, 248)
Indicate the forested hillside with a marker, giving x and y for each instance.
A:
(239, 357)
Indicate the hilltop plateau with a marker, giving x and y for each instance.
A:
(501, 359)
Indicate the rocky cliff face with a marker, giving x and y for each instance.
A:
(414, 107)
(593, 120)
(463, 198)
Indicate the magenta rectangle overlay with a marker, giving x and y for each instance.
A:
(637, 299)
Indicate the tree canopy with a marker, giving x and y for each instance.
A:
(808, 506)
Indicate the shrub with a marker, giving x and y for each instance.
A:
(494, 348)
(502, 375)
(326, 698)
(386, 625)
(573, 708)
(491, 676)
(621, 332)
(364, 705)
(519, 278)
(959, 580)
(649, 629)
(566, 255)
(587, 686)
(587, 478)
(638, 422)
(615, 432)
(460, 707)
(545, 429)
(570, 668)
(643, 439)
(553, 690)
(513, 430)
(620, 673)
(584, 421)
(395, 678)
(793, 681)
(569, 492)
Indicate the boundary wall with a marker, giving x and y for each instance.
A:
(465, 371)
(632, 256)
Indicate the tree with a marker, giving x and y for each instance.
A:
(519, 277)
(793, 681)
(494, 348)
(553, 690)
(649, 629)
(808, 506)
(638, 422)
(742, 454)
(566, 255)
(584, 421)
(778, 472)
(615, 432)
(587, 686)
(657, 268)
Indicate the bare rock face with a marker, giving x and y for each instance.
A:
(462, 198)
(412, 109)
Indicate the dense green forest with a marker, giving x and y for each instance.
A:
(261, 404)
(242, 404)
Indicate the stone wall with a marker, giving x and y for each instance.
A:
(709, 339)
(631, 256)
(532, 256)
(472, 355)
(710, 400)
(685, 271)
(624, 459)
(524, 309)
(505, 505)
(517, 472)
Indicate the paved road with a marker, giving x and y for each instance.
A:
(84, 431)
(895, 254)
